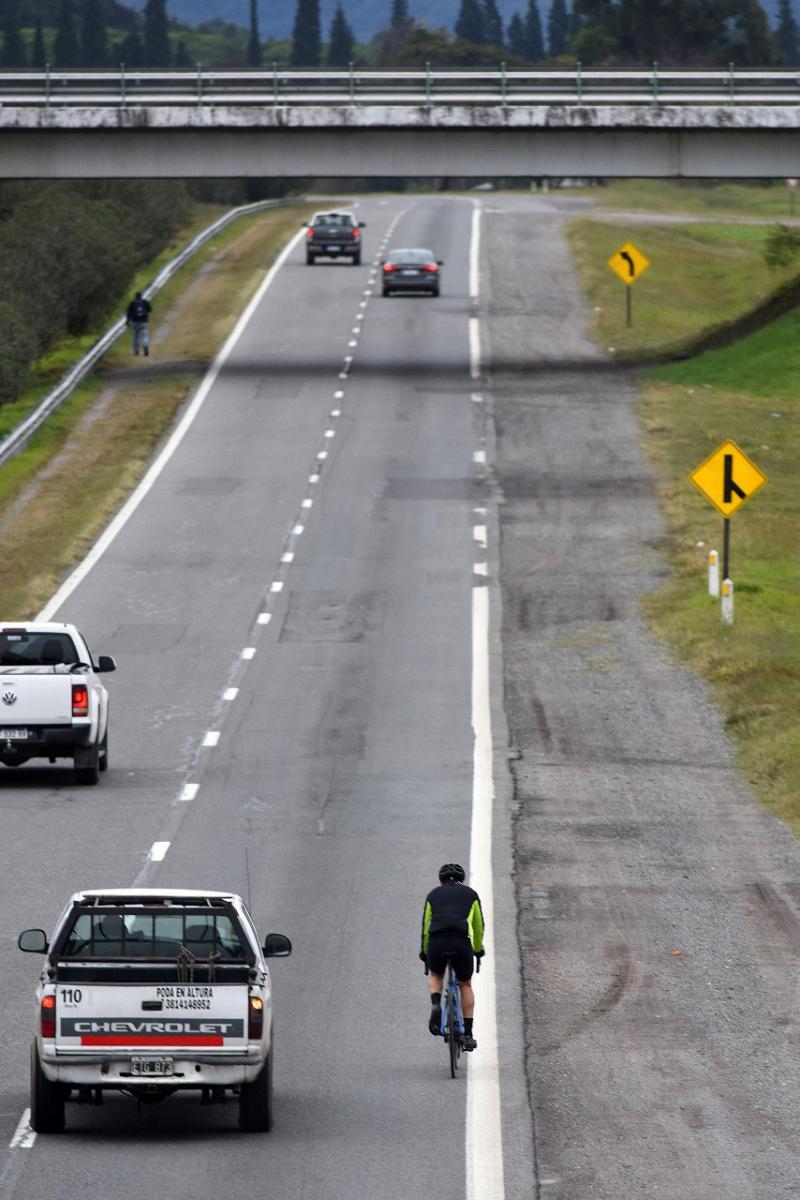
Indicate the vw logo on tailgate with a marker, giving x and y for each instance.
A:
(9, 698)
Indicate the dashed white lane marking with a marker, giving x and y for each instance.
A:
(356, 329)
(336, 412)
(323, 454)
(184, 425)
(348, 358)
(189, 792)
(479, 457)
(298, 530)
(479, 534)
(480, 568)
(329, 433)
(288, 557)
(475, 347)
(368, 292)
(24, 1136)
(249, 653)
(343, 374)
(352, 344)
(264, 618)
(158, 851)
(276, 585)
(230, 694)
(477, 398)
(313, 479)
(307, 503)
(479, 512)
(212, 738)
(338, 395)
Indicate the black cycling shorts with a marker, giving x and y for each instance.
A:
(444, 946)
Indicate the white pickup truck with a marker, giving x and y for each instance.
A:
(52, 704)
(151, 992)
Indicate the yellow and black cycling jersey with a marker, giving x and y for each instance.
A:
(454, 909)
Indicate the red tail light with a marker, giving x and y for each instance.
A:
(48, 1017)
(389, 267)
(309, 233)
(356, 233)
(431, 266)
(80, 700)
(255, 1019)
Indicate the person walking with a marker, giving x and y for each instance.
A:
(138, 317)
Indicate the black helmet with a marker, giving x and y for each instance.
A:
(452, 871)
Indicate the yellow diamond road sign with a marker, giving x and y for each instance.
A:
(628, 262)
(728, 478)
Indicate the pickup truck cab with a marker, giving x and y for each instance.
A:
(333, 235)
(149, 993)
(52, 704)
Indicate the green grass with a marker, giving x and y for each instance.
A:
(701, 275)
(772, 201)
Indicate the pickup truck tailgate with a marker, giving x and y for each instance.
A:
(132, 1018)
(38, 698)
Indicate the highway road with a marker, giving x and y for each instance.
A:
(292, 603)
(397, 538)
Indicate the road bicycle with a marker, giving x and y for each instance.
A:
(452, 1026)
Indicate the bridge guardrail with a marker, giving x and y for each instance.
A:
(19, 437)
(279, 87)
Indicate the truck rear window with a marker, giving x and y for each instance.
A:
(20, 648)
(121, 934)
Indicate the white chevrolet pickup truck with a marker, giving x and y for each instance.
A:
(151, 992)
(52, 704)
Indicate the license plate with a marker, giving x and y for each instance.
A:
(152, 1066)
(409, 272)
(333, 247)
(14, 735)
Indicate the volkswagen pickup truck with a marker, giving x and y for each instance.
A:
(151, 993)
(52, 702)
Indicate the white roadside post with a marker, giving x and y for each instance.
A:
(713, 573)
(727, 601)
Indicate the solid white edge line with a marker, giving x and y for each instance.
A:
(484, 1128)
(179, 433)
(24, 1136)
(484, 1144)
(158, 851)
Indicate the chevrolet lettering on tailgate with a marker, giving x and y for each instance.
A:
(153, 992)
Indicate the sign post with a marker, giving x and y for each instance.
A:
(728, 478)
(628, 263)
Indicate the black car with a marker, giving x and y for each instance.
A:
(411, 271)
(333, 235)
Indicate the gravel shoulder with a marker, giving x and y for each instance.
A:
(659, 903)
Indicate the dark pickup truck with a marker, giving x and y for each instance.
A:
(333, 235)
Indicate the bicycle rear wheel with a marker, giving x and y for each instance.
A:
(453, 1037)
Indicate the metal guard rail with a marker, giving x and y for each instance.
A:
(19, 437)
(281, 87)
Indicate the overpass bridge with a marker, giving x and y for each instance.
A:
(476, 124)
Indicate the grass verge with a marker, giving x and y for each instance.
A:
(770, 201)
(746, 391)
(701, 276)
(58, 494)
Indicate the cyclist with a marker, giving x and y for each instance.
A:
(452, 928)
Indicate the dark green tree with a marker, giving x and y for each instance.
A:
(517, 43)
(131, 51)
(182, 56)
(534, 38)
(66, 51)
(492, 24)
(469, 23)
(557, 28)
(400, 18)
(13, 46)
(786, 34)
(39, 54)
(254, 53)
(342, 41)
(94, 35)
(157, 50)
(306, 35)
(678, 33)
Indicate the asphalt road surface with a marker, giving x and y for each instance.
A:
(344, 634)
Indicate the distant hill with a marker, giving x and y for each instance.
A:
(366, 16)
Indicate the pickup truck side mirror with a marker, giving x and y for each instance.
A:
(33, 941)
(362, 224)
(105, 663)
(277, 946)
(440, 262)
(305, 225)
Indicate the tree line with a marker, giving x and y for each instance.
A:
(102, 33)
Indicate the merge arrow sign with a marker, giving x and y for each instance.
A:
(728, 478)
